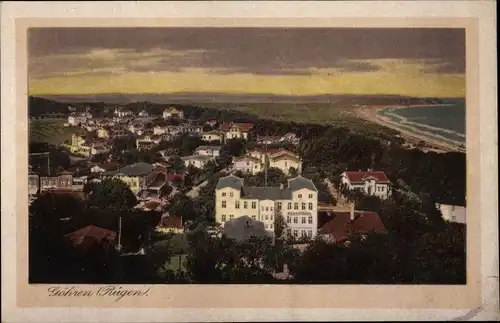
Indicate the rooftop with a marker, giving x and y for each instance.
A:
(208, 148)
(360, 176)
(137, 169)
(340, 226)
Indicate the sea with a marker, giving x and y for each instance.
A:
(445, 122)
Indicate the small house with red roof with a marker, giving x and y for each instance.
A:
(237, 130)
(91, 236)
(342, 226)
(369, 182)
(170, 224)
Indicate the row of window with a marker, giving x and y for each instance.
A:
(231, 216)
(303, 205)
(302, 220)
(302, 233)
(231, 194)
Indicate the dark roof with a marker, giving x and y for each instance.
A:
(171, 222)
(266, 193)
(90, 235)
(244, 227)
(137, 169)
(208, 148)
(300, 182)
(230, 181)
(360, 176)
(340, 226)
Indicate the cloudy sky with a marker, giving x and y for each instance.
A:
(287, 61)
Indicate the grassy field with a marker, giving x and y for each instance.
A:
(49, 130)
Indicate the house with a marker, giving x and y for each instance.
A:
(170, 224)
(248, 164)
(236, 130)
(136, 128)
(291, 138)
(453, 213)
(268, 140)
(77, 119)
(61, 181)
(285, 161)
(122, 112)
(212, 151)
(244, 227)
(198, 161)
(173, 112)
(297, 203)
(91, 236)
(212, 123)
(370, 182)
(212, 136)
(189, 128)
(137, 176)
(147, 141)
(104, 132)
(160, 130)
(144, 114)
(343, 225)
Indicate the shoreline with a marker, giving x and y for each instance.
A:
(412, 137)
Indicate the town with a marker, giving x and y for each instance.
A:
(184, 194)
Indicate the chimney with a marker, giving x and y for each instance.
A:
(352, 212)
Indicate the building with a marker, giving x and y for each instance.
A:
(147, 141)
(244, 227)
(78, 119)
(344, 225)
(213, 135)
(291, 138)
(268, 140)
(198, 161)
(285, 161)
(104, 133)
(370, 182)
(137, 176)
(122, 112)
(248, 164)
(105, 167)
(236, 130)
(61, 181)
(189, 128)
(212, 151)
(297, 203)
(170, 224)
(173, 112)
(453, 213)
(144, 114)
(91, 236)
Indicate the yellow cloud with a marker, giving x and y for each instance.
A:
(402, 77)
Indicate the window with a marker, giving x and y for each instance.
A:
(224, 218)
(295, 206)
(267, 217)
(453, 218)
(295, 233)
(295, 219)
(223, 204)
(231, 194)
(310, 221)
(270, 208)
(288, 232)
(302, 233)
(267, 208)
(267, 226)
(271, 226)
(245, 205)
(254, 205)
(279, 205)
(303, 220)
(237, 204)
(309, 233)
(271, 217)
(231, 216)
(262, 208)
(310, 206)
(253, 217)
(289, 205)
(303, 206)
(288, 219)
(310, 196)
(300, 196)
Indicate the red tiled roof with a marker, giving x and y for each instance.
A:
(90, 235)
(171, 222)
(175, 177)
(364, 222)
(242, 126)
(354, 176)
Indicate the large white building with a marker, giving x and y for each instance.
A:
(77, 119)
(370, 182)
(297, 203)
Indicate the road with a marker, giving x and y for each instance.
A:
(195, 191)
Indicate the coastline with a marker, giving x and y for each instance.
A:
(412, 136)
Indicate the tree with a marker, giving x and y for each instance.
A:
(279, 224)
(177, 165)
(113, 194)
(182, 206)
(293, 172)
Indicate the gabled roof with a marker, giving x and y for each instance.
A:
(247, 126)
(263, 150)
(300, 182)
(90, 235)
(361, 176)
(244, 227)
(285, 156)
(340, 226)
(247, 157)
(229, 181)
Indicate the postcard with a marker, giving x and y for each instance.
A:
(218, 161)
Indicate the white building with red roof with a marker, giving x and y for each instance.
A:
(370, 182)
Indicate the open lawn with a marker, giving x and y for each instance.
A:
(49, 130)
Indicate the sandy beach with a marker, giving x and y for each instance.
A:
(413, 138)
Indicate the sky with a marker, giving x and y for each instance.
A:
(282, 61)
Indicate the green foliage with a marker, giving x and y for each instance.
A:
(112, 194)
